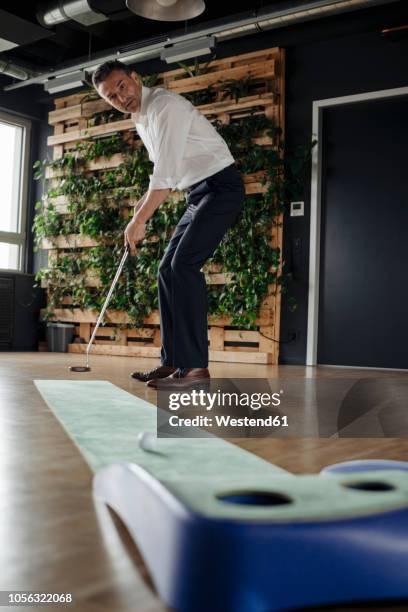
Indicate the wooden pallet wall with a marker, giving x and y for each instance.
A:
(72, 122)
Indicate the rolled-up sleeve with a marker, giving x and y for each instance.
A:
(170, 119)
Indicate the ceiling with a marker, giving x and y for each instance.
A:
(70, 40)
(48, 48)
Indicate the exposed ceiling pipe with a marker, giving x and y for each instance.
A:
(58, 11)
(16, 71)
(268, 18)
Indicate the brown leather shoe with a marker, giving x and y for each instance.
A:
(182, 378)
(159, 372)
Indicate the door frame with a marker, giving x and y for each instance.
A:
(315, 206)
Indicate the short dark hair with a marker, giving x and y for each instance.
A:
(104, 70)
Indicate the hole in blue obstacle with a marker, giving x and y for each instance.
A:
(255, 498)
(369, 485)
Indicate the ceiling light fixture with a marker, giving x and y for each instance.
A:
(193, 48)
(166, 10)
(69, 81)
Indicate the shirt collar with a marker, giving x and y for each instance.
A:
(140, 116)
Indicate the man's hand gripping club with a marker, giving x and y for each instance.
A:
(136, 229)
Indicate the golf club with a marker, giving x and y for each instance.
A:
(86, 368)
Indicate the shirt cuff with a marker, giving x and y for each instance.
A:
(162, 182)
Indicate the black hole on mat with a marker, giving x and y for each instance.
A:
(369, 485)
(255, 498)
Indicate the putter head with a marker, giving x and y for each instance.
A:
(79, 369)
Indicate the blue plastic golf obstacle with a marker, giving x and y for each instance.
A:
(266, 543)
(365, 465)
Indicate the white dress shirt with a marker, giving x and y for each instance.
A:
(183, 145)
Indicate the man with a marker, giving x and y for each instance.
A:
(188, 154)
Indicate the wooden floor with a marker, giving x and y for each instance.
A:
(54, 538)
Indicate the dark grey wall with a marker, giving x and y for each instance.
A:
(347, 65)
(334, 57)
(23, 102)
(39, 259)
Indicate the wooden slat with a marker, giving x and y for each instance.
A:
(264, 344)
(64, 114)
(242, 349)
(136, 332)
(52, 257)
(58, 152)
(241, 335)
(71, 241)
(71, 100)
(216, 337)
(263, 140)
(100, 163)
(79, 315)
(61, 203)
(121, 337)
(85, 331)
(235, 356)
(219, 64)
(99, 130)
(95, 106)
(254, 188)
(59, 128)
(264, 100)
(157, 337)
(264, 70)
(86, 109)
(219, 279)
(92, 279)
(141, 332)
(77, 241)
(154, 352)
(115, 349)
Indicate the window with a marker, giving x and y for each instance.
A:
(14, 160)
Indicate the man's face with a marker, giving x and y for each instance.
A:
(122, 91)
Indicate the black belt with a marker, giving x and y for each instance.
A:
(210, 176)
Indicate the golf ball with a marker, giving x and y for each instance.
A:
(147, 441)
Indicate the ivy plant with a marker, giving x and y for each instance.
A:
(236, 89)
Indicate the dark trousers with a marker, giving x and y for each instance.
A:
(213, 206)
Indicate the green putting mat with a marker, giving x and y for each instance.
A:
(104, 421)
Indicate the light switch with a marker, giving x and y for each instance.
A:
(297, 209)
